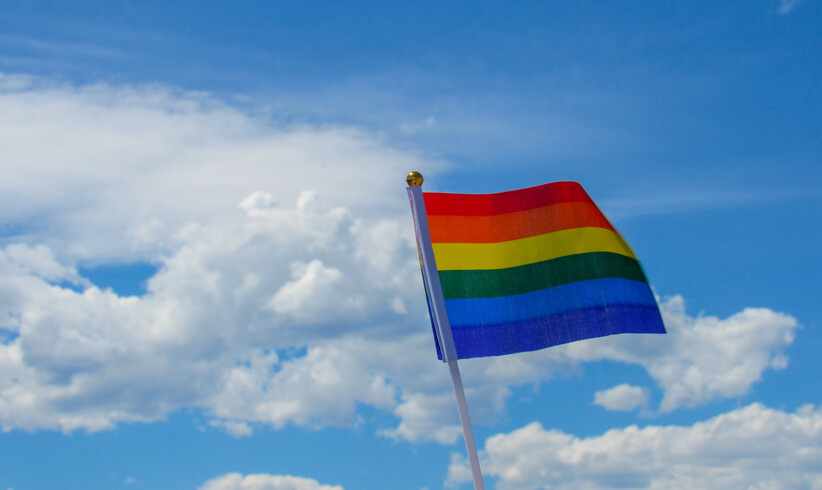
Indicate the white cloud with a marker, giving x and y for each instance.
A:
(144, 172)
(233, 427)
(622, 397)
(753, 447)
(39, 261)
(426, 417)
(307, 296)
(236, 481)
(321, 388)
(103, 173)
(700, 359)
(206, 331)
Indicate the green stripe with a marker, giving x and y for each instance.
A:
(458, 284)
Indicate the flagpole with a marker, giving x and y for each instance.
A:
(467, 431)
(441, 324)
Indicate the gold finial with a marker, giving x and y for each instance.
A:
(414, 178)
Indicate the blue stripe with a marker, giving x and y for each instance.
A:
(474, 312)
(496, 340)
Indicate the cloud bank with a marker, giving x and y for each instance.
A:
(752, 447)
(288, 289)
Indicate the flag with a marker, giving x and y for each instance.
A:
(532, 268)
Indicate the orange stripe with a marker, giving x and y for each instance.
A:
(513, 226)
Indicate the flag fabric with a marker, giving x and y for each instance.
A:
(531, 268)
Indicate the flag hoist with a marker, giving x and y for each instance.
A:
(520, 271)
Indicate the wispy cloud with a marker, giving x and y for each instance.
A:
(675, 201)
(411, 128)
(41, 47)
(788, 6)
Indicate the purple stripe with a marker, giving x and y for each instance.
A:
(496, 340)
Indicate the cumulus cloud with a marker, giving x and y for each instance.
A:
(701, 358)
(216, 331)
(623, 397)
(236, 481)
(312, 286)
(752, 447)
(209, 329)
(288, 292)
(425, 417)
(328, 274)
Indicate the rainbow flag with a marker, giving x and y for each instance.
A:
(531, 268)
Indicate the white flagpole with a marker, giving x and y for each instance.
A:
(441, 323)
(467, 431)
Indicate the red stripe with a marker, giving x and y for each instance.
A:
(513, 226)
(440, 203)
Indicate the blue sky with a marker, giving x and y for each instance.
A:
(207, 269)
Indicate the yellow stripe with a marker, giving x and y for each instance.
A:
(473, 256)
